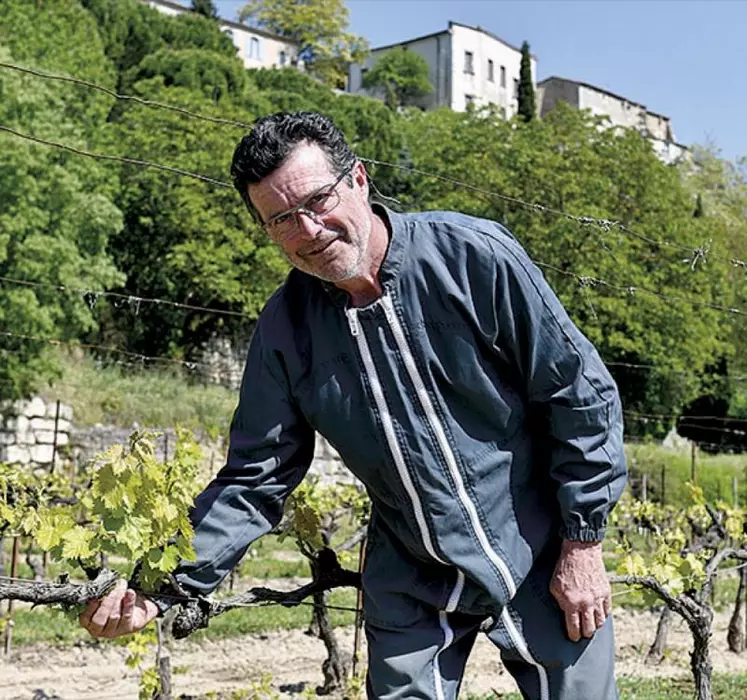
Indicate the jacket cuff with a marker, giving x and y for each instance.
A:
(582, 533)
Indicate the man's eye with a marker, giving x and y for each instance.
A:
(280, 220)
(318, 199)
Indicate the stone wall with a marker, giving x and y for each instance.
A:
(27, 438)
(30, 430)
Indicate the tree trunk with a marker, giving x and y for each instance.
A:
(700, 658)
(163, 661)
(333, 667)
(35, 563)
(656, 652)
(735, 634)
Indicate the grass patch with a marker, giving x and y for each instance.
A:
(152, 398)
(714, 473)
(631, 688)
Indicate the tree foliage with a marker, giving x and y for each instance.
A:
(56, 212)
(402, 75)
(567, 163)
(319, 27)
(70, 221)
(206, 8)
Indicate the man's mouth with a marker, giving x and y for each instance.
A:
(319, 249)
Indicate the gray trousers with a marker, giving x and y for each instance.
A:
(425, 659)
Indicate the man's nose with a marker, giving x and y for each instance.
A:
(308, 223)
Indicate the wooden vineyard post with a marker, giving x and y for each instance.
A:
(359, 610)
(13, 574)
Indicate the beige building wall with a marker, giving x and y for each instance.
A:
(465, 64)
(485, 85)
(620, 111)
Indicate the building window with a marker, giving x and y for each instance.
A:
(252, 48)
(503, 76)
(282, 59)
(469, 62)
(516, 89)
(469, 100)
(491, 71)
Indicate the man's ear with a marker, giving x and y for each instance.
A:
(360, 176)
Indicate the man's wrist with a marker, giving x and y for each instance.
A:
(579, 545)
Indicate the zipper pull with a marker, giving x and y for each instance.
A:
(352, 315)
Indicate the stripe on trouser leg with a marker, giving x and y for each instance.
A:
(448, 639)
(443, 620)
(521, 647)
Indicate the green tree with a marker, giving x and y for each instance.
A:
(56, 217)
(206, 8)
(699, 210)
(132, 30)
(402, 75)
(183, 239)
(195, 69)
(318, 27)
(527, 106)
(567, 163)
(721, 186)
(66, 24)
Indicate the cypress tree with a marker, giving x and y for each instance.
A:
(205, 8)
(527, 107)
(699, 210)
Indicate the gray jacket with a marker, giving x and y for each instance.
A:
(481, 421)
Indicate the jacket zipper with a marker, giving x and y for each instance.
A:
(389, 432)
(447, 452)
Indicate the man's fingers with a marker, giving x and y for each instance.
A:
(129, 605)
(97, 620)
(607, 606)
(600, 614)
(85, 617)
(573, 625)
(588, 622)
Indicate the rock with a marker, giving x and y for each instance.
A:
(34, 408)
(42, 454)
(45, 437)
(17, 424)
(42, 424)
(15, 454)
(66, 412)
(25, 438)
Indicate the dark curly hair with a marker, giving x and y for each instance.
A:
(271, 141)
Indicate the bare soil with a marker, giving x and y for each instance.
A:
(293, 659)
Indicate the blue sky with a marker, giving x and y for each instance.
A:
(687, 60)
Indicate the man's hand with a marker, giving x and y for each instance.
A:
(581, 587)
(123, 611)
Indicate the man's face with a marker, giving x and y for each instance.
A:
(330, 244)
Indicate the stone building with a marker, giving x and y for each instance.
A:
(620, 110)
(466, 65)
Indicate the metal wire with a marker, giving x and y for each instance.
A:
(130, 98)
(118, 159)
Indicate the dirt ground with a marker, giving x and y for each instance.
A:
(87, 672)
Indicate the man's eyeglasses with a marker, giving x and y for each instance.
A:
(283, 225)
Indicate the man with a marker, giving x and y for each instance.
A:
(432, 354)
